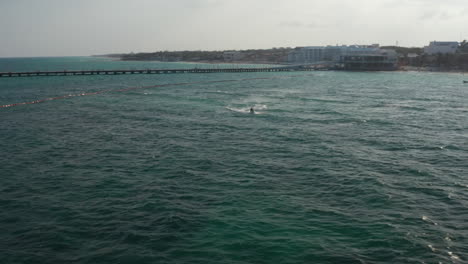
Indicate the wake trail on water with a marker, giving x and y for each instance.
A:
(143, 87)
(246, 110)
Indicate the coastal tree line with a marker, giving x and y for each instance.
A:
(274, 55)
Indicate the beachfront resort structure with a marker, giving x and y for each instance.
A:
(441, 47)
(353, 57)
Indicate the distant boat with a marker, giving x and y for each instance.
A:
(465, 81)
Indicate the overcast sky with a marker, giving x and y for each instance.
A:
(86, 27)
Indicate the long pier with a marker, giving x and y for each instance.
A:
(153, 71)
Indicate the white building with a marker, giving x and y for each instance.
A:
(443, 47)
(316, 54)
(313, 54)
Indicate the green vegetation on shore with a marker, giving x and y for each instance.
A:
(271, 56)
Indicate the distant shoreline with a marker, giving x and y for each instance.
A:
(215, 62)
(428, 69)
(400, 69)
(115, 58)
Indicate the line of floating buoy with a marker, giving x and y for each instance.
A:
(138, 87)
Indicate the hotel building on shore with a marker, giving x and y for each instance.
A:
(353, 57)
(441, 47)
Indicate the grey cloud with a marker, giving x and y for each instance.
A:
(299, 24)
(442, 14)
(293, 24)
(423, 3)
(428, 15)
(445, 16)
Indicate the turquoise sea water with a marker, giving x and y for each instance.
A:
(334, 167)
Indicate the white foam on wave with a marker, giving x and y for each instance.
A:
(239, 110)
(425, 218)
(223, 92)
(453, 256)
(260, 106)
